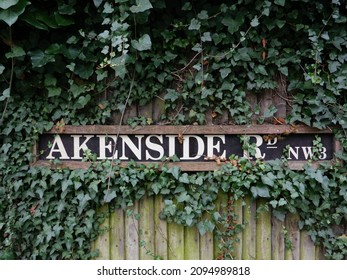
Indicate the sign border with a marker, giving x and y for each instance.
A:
(182, 130)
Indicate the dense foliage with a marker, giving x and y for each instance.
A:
(82, 60)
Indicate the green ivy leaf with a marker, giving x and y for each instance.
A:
(109, 195)
(156, 187)
(97, 3)
(65, 184)
(224, 72)
(206, 37)
(280, 2)
(171, 95)
(5, 94)
(183, 197)
(5, 4)
(11, 14)
(203, 15)
(83, 200)
(39, 58)
(82, 101)
(2, 68)
(175, 171)
(205, 226)
(143, 44)
(184, 178)
(255, 22)
(141, 6)
(16, 51)
(53, 91)
(194, 24)
(270, 112)
(260, 192)
(63, 20)
(268, 179)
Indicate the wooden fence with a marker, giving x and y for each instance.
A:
(263, 237)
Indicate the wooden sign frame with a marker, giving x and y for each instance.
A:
(274, 130)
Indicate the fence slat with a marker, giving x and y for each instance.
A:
(146, 111)
(238, 209)
(158, 108)
(191, 243)
(251, 98)
(176, 241)
(206, 243)
(146, 228)
(221, 203)
(307, 247)
(130, 112)
(160, 232)
(291, 224)
(103, 242)
(277, 239)
(131, 235)
(319, 254)
(249, 231)
(263, 232)
(117, 234)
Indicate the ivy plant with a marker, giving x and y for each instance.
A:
(78, 63)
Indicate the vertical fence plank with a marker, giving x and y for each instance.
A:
(238, 238)
(130, 112)
(307, 247)
(146, 111)
(131, 235)
(146, 228)
(117, 235)
(160, 233)
(319, 254)
(222, 119)
(265, 103)
(176, 241)
(251, 98)
(206, 244)
(102, 243)
(158, 108)
(280, 97)
(249, 231)
(191, 243)
(263, 232)
(291, 225)
(221, 203)
(277, 240)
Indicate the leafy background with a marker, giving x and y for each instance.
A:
(82, 62)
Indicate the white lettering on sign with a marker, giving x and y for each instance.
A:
(126, 141)
(103, 147)
(154, 147)
(60, 149)
(78, 147)
(215, 149)
(186, 147)
(258, 143)
(150, 147)
(306, 152)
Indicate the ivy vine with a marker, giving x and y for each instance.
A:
(74, 61)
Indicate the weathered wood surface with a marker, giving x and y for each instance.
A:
(190, 129)
(277, 239)
(292, 227)
(185, 166)
(263, 235)
(249, 231)
(125, 237)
